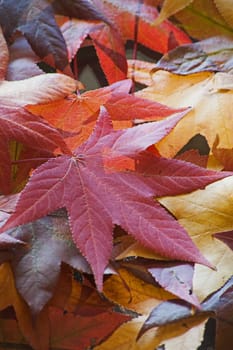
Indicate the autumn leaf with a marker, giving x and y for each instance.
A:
(204, 213)
(169, 8)
(11, 297)
(219, 303)
(212, 54)
(18, 124)
(177, 279)
(22, 61)
(124, 17)
(37, 266)
(36, 21)
(202, 19)
(78, 332)
(226, 237)
(209, 94)
(85, 181)
(109, 40)
(122, 107)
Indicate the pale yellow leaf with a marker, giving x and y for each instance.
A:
(190, 340)
(38, 89)
(140, 71)
(169, 8)
(225, 7)
(203, 213)
(211, 107)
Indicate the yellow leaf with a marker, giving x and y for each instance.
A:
(190, 340)
(202, 19)
(132, 292)
(137, 250)
(169, 8)
(210, 96)
(203, 213)
(124, 338)
(226, 10)
(10, 297)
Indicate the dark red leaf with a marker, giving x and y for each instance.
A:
(226, 237)
(78, 332)
(98, 198)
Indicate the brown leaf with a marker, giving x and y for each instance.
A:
(213, 54)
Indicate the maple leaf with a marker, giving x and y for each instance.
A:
(124, 17)
(109, 40)
(97, 198)
(121, 106)
(18, 124)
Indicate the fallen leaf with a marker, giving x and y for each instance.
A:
(177, 279)
(209, 99)
(192, 339)
(22, 61)
(36, 21)
(77, 332)
(37, 266)
(213, 54)
(122, 107)
(124, 17)
(10, 296)
(203, 213)
(85, 179)
(226, 237)
(225, 8)
(172, 311)
(202, 19)
(169, 8)
(18, 124)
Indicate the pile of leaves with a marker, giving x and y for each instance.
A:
(116, 204)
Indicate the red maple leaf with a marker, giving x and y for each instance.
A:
(97, 197)
(120, 104)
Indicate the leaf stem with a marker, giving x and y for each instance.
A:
(29, 160)
(135, 45)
